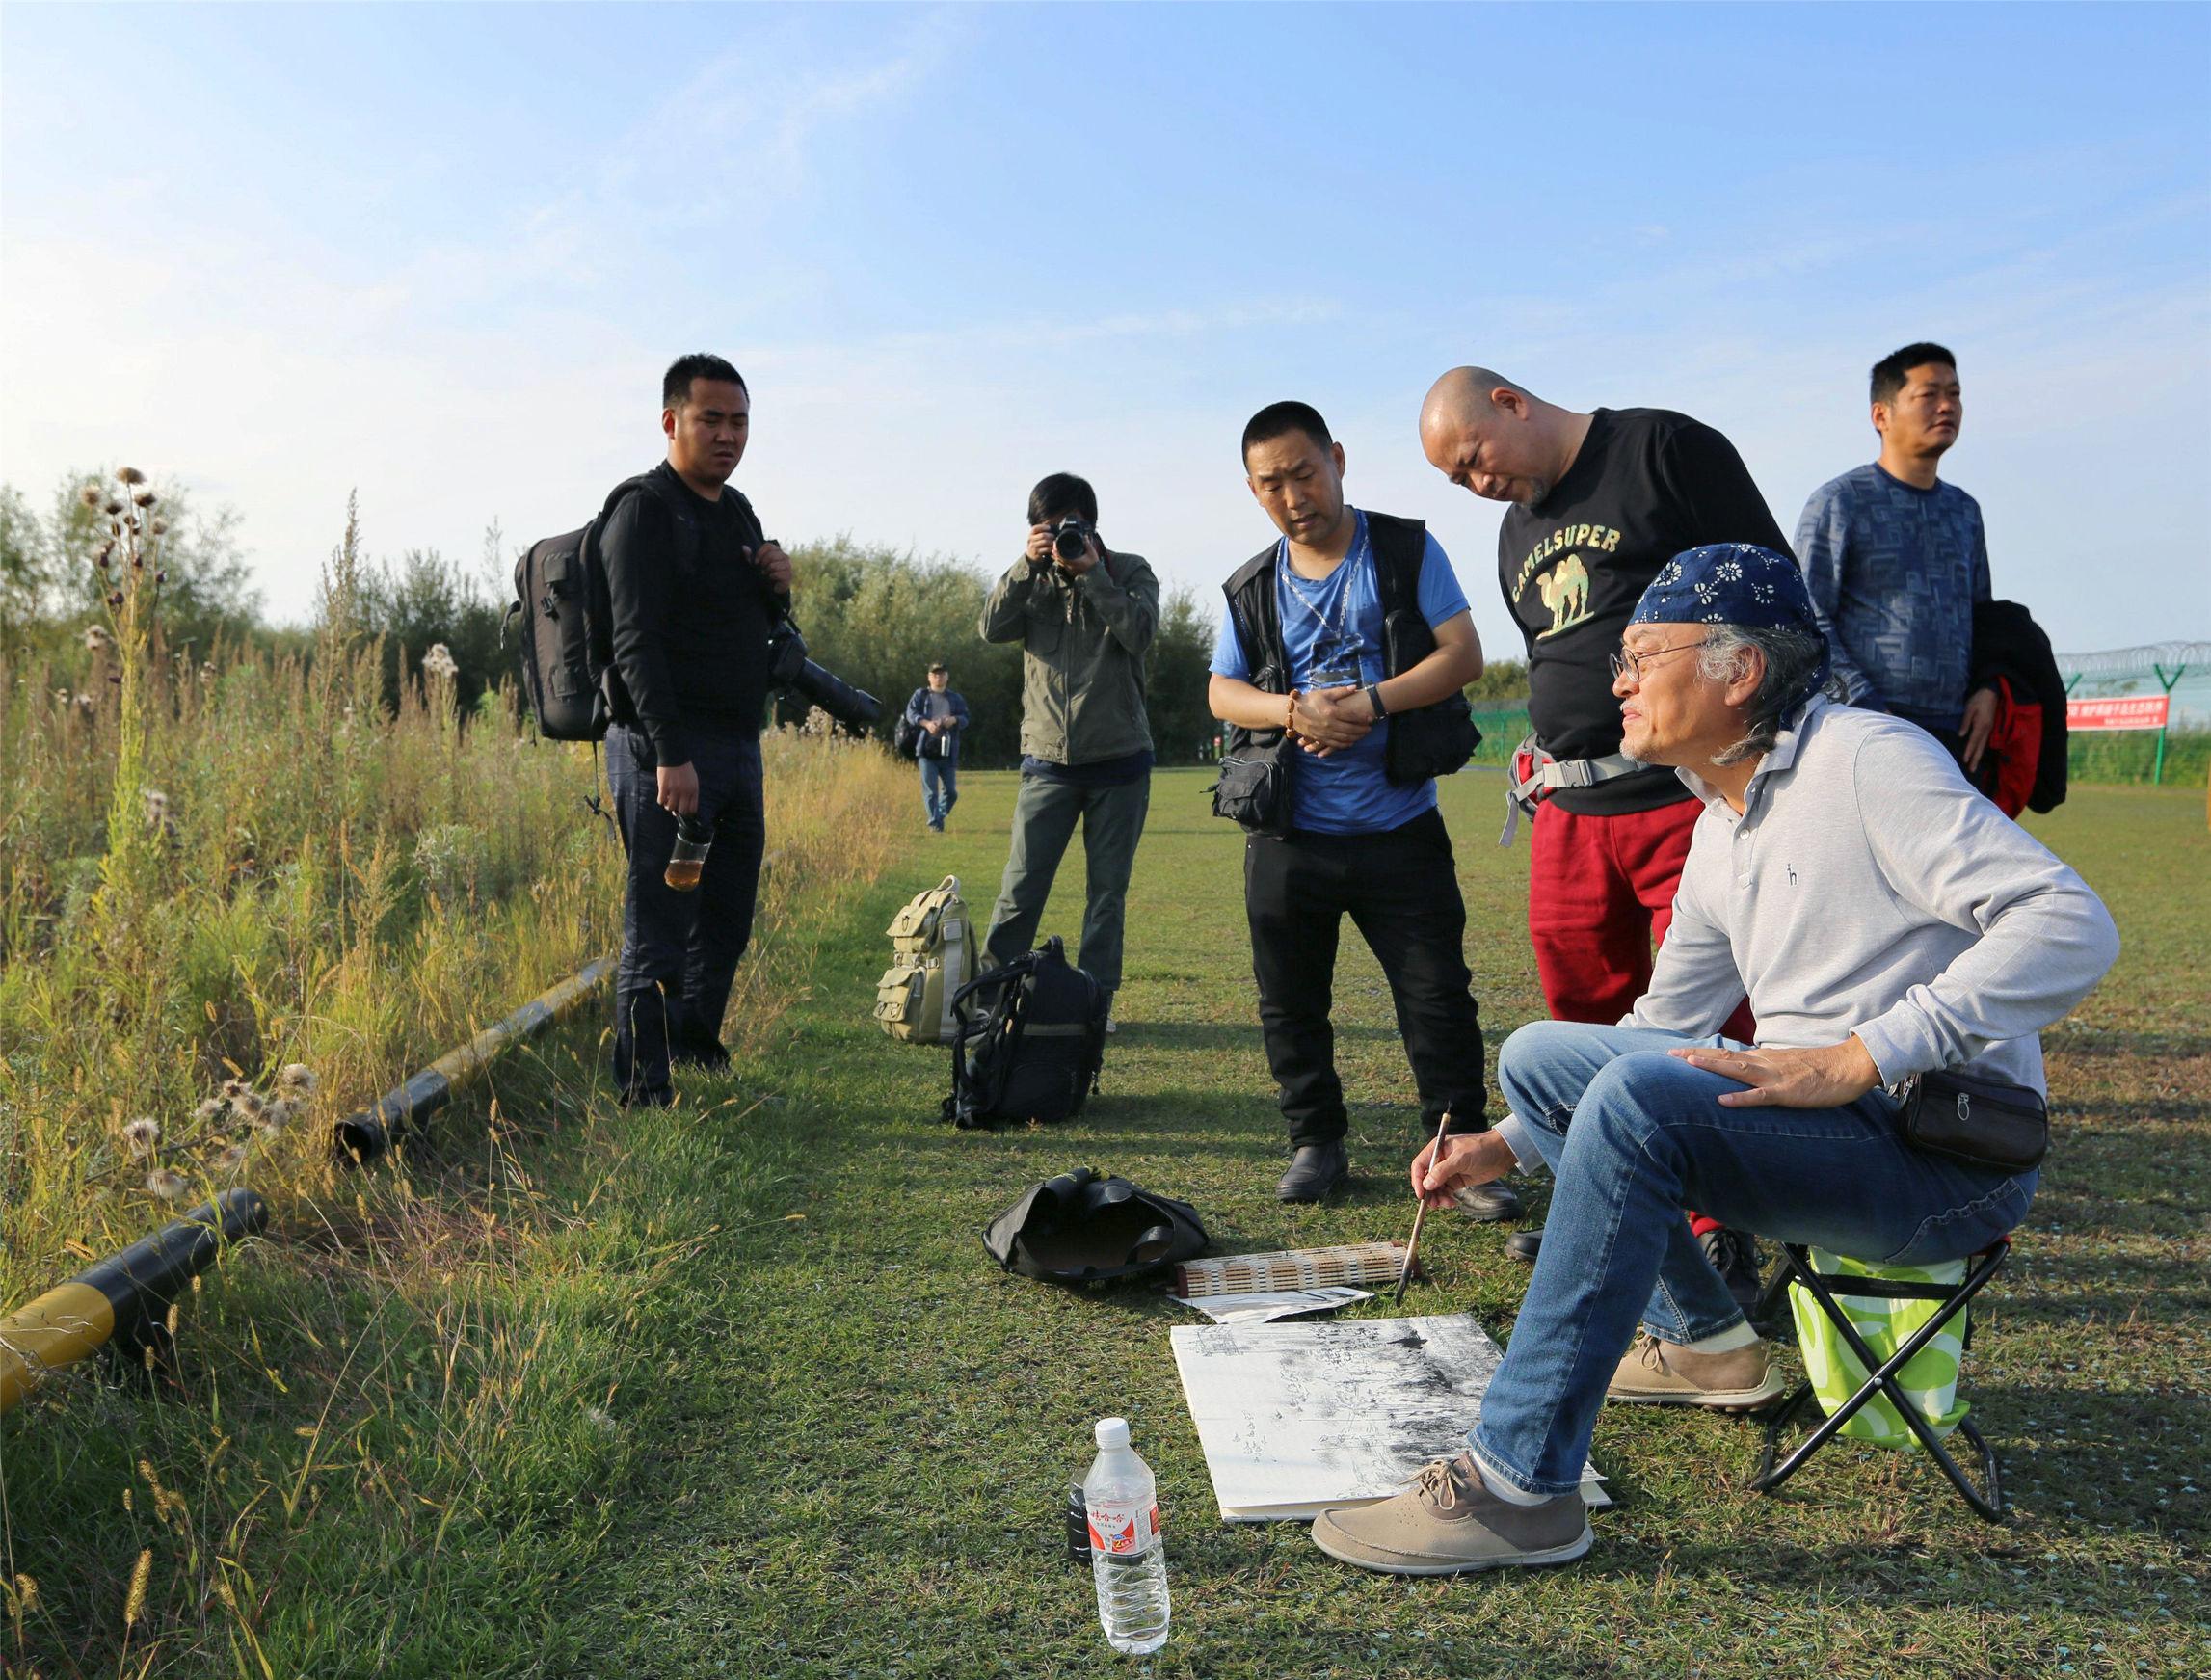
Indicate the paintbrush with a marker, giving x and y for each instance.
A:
(1420, 1212)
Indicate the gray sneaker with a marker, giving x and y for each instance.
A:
(1448, 1522)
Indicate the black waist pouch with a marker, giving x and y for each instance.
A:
(1985, 1122)
(1254, 789)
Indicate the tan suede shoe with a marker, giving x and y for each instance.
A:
(1659, 1373)
(1447, 1523)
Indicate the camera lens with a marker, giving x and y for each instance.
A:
(1067, 544)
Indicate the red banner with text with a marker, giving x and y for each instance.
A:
(2126, 711)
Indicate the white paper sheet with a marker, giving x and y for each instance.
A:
(1294, 1418)
(1267, 1307)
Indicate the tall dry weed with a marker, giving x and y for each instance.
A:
(305, 877)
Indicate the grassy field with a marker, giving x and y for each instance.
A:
(734, 1389)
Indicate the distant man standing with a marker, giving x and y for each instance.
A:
(1896, 561)
(1600, 502)
(1084, 616)
(693, 586)
(940, 715)
(1308, 646)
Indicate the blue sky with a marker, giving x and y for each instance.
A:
(441, 253)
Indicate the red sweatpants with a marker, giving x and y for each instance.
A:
(1600, 897)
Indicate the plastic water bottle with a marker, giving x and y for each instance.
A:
(1128, 1559)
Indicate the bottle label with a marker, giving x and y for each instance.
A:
(1124, 1531)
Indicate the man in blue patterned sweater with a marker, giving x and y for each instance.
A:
(1895, 559)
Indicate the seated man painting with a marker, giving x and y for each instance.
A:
(1885, 920)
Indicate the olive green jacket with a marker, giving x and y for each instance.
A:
(1083, 643)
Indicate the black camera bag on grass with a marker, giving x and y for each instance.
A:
(1028, 1043)
(1080, 1228)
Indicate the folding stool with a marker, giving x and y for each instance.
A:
(1986, 1501)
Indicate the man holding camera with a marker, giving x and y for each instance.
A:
(1315, 669)
(694, 587)
(1084, 616)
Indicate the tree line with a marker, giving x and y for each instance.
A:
(876, 615)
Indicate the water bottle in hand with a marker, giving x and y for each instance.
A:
(1128, 1559)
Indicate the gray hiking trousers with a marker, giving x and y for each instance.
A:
(1044, 818)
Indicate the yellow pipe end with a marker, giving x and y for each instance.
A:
(61, 1327)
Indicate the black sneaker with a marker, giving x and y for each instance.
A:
(1734, 1255)
(1317, 1172)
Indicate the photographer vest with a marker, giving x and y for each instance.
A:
(1427, 741)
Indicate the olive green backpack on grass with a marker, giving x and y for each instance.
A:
(934, 941)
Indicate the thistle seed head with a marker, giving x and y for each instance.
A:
(144, 1136)
(113, 506)
(145, 498)
(129, 475)
(92, 496)
(169, 1186)
(232, 1160)
(297, 1079)
(96, 639)
(211, 1110)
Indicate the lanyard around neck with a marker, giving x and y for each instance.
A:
(1346, 571)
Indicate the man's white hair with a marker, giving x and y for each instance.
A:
(1792, 668)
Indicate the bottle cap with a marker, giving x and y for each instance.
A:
(1112, 1433)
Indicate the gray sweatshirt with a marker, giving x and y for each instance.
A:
(1867, 889)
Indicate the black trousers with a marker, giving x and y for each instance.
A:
(1401, 890)
(680, 950)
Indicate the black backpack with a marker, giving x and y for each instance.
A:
(568, 617)
(1028, 1043)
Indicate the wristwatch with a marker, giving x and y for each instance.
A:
(1374, 700)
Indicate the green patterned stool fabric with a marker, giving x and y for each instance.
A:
(1929, 1380)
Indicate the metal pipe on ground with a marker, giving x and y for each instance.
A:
(122, 1300)
(366, 1135)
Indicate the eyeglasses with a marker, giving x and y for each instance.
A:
(1625, 663)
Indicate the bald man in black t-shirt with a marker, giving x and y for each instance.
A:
(1600, 502)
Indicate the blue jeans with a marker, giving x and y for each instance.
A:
(679, 951)
(1633, 1136)
(940, 787)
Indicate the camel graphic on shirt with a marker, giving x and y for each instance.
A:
(1566, 591)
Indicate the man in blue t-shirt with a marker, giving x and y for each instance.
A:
(1355, 842)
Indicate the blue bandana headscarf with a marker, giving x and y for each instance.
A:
(1733, 583)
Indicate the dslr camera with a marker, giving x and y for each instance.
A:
(1069, 538)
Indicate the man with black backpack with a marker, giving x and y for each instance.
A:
(1338, 671)
(691, 584)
